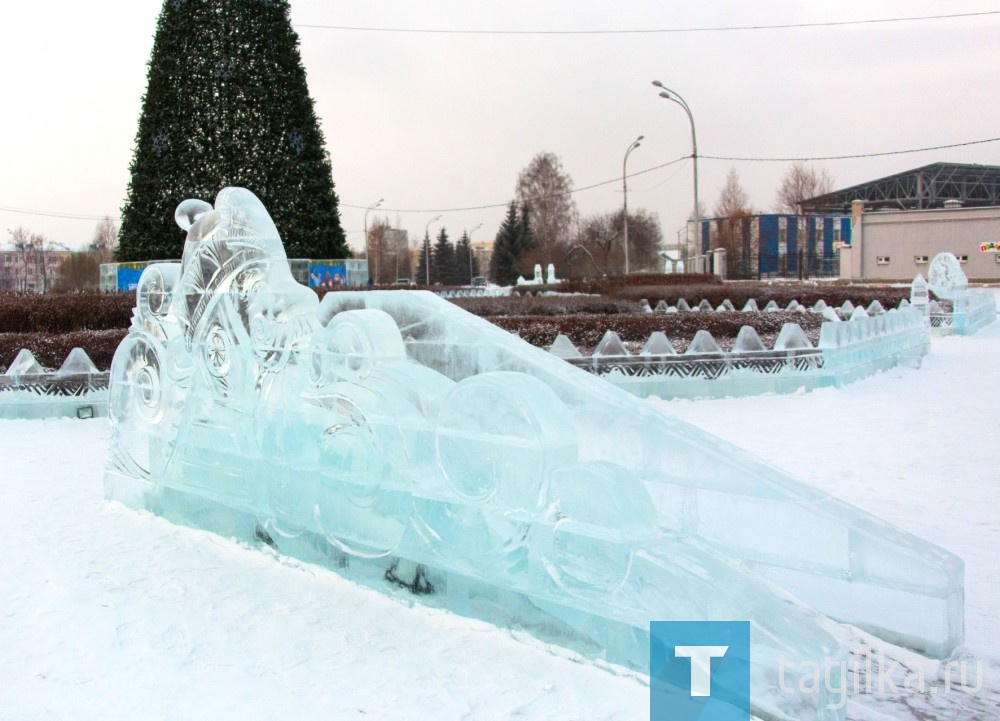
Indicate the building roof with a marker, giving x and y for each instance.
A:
(921, 188)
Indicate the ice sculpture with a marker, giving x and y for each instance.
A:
(945, 277)
(405, 443)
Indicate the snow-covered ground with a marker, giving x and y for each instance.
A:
(111, 614)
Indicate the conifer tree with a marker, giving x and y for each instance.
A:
(464, 270)
(507, 248)
(227, 105)
(443, 260)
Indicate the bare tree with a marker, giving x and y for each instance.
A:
(28, 260)
(547, 193)
(732, 208)
(105, 239)
(801, 182)
(733, 200)
(79, 271)
(601, 236)
(16, 264)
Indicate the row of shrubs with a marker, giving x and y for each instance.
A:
(64, 312)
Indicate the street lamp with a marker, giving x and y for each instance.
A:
(672, 95)
(368, 254)
(633, 146)
(427, 249)
(468, 235)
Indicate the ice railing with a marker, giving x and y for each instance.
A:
(870, 340)
(77, 389)
(962, 311)
(965, 316)
(843, 312)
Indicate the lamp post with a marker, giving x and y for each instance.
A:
(427, 249)
(669, 94)
(633, 146)
(468, 234)
(368, 255)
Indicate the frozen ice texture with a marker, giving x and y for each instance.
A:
(747, 341)
(771, 306)
(611, 345)
(29, 391)
(750, 305)
(792, 337)
(703, 342)
(658, 344)
(401, 441)
(945, 276)
(24, 364)
(562, 347)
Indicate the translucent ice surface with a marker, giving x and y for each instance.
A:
(397, 439)
(29, 391)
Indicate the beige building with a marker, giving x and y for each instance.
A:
(896, 245)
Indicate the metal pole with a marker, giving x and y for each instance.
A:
(427, 249)
(633, 146)
(675, 97)
(468, 235)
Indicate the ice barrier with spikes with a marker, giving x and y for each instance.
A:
(847, 351)
(970, 310)
(411, 446)
(77, 390)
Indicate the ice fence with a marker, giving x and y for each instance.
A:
(76, 390)
(405, 443)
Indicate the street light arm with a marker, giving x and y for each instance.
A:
(676, 97)
(635, 144)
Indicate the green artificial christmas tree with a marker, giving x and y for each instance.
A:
(227, 105)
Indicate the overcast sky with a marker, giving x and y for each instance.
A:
(446, 121)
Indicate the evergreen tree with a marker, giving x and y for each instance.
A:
(423, 275)
(507, 248)
(464, 270)
(443, 260)
(227, 105)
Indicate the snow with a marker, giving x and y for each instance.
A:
(113, 614)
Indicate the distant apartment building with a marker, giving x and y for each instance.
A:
(29, 269)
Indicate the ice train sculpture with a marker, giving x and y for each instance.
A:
(405, 443)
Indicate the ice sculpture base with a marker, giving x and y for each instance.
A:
(609, 637)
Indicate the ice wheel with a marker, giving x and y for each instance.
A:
(498, 437)
(138, 405)
(364, 499)
(354, 341)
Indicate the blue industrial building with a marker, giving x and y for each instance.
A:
(774, 245)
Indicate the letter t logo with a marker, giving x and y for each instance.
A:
(701, 666)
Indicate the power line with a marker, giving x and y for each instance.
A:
(72, 216)
(649, 31)
(54, 214)
(504, 205)
(848, 157)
